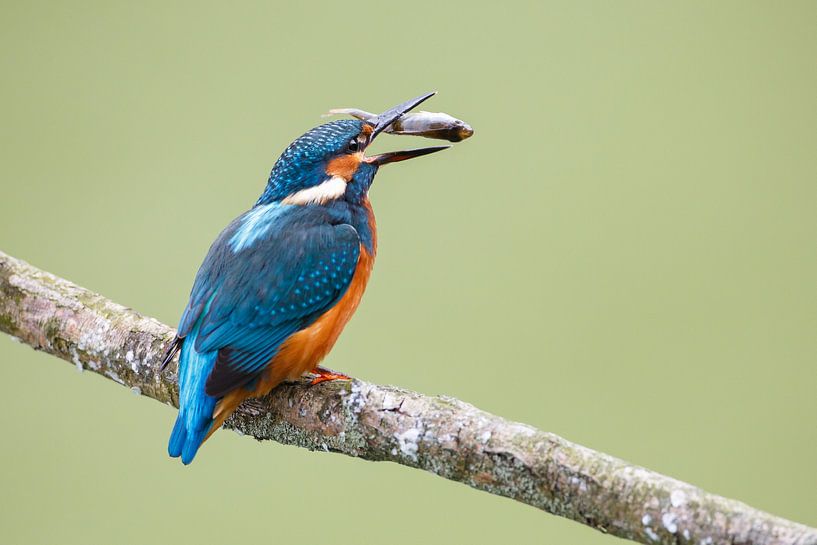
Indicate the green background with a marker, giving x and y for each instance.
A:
(625, 253)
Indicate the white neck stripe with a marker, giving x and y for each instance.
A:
(331, 189)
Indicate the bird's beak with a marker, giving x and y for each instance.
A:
(395, 156)
(393, 114)
(382, 121)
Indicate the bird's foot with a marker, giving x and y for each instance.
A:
(325, 375)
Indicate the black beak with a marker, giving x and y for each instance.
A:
(393, 114)
(395, 156)
(390, 116)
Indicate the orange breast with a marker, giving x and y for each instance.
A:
(304, 350)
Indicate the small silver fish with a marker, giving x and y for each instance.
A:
(428, 124)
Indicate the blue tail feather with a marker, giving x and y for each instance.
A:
(195, 406)
(177, 438)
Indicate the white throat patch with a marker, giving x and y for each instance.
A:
(331, 189)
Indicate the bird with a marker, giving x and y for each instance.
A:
(281, 281)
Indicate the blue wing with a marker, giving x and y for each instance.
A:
(272, 272)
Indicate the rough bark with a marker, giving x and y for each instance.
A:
(439, 434)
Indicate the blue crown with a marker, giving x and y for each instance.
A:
(303, 163)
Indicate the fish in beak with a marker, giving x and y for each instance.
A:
(384, 120)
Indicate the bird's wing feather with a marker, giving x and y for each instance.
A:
(297, 267)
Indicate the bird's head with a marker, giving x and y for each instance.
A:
(329, 162)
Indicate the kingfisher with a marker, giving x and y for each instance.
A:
(282, 280)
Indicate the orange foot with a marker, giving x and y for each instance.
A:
(324, 375)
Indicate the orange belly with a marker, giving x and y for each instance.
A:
(303, 350)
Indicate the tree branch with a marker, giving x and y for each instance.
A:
(439, 434)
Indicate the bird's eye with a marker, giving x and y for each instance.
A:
(353, 146)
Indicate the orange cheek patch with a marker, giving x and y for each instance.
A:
(344, 166)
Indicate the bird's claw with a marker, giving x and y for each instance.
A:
(324, 375)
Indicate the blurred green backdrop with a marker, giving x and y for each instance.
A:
(624, 254)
